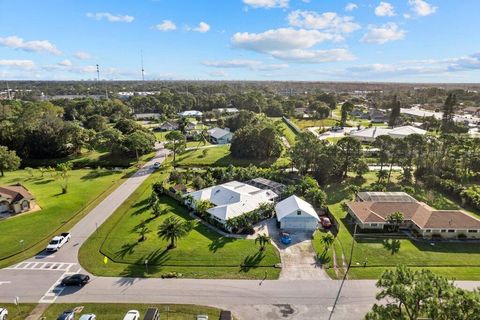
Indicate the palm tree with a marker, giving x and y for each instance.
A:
(262, 240)
(172, 229)
(327, 241)
(395, 219)
(143, 231)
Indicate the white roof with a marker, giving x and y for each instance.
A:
(291, 205)
(217, 133)
(374, 132)
(189, 113)
(233, 198)
(406, 131)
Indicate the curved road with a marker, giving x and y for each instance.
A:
(36, 280)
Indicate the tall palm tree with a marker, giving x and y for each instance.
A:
(327, 241)
(172, 229)
(142, 232)
(262, 240)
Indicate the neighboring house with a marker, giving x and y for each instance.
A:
(226, 110)
(190, 126)
(418, 216)
(15, 199)
(190, 113)
(296, 213)
(377, 116)
(147, 116)
(265, 184)
(220, 136)
(168, 126)
(360, 113)
(472, 111)
(370, 134)
(231, 199)
(301, 113)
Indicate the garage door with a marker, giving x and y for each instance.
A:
(304, 224)
(4, 207)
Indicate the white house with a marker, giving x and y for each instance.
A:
(296, 213)
(190, 113)
(220, 136)
(370, 134)
(231, 199)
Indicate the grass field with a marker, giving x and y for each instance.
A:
(110, 311)
(286, 131)
(202, 254)
(307, 123)
(220, 156)
(19, 312)
(190, 144)
(451, 259)
(59, 211)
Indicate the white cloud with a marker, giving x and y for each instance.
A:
(351, 6)
(166, 25)
(382, 34)
(328, 21)
(249, 64)
(21, 64)
(267, 3)
(82, 55)
(421, 7)
(313, 56)
(385, 9)
(202, 27)
(281, 39)
(15, 42)
(65, 63)
(110, 17)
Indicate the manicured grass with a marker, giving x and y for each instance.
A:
(111, 311)
(190, 144)
(286, 131)
(59, 211)
(220, 156)
(307, 123)
(459, 260)
(201, 254)
(19, 312)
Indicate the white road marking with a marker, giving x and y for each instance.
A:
(5, 282)
(52, 266)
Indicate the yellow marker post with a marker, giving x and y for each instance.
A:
(105, 259)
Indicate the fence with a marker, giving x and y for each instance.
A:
(291, 125)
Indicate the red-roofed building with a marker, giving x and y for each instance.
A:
(15, 199)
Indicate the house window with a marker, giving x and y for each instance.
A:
(473, 231)
(299, 213)
(373, 224)
(443, 230)
(451, 230)
(428, 231)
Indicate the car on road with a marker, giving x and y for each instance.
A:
(325, 222)
(157, 165)
(3, 313)
(132, 315)
(88, 317)
(76, 280)
(58, 241)
(67, 315)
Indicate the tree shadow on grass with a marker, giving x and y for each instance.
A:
(155, 262)
(126, 249)
(97, 174)
(392, 245)
(252, 261)
(141, 207)
(44, 181)
(219, 243)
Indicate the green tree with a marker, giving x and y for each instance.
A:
(328, 239)
(9, 161)
(173, 229)
(262, 241)
(143, 231)
(395, 220)
(361, 168)
(448, 124)
(201, 207)
(395, 107)
(63, 170)
(346, 108)
(176, 142)
(349, 151)
(140, 142)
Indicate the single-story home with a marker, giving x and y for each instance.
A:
(263, 183)
(231, 199)
(168, 126)
(190, 113)
(227, 110)
(147, 116)
(220, 136)
(15, 199)
(418, 216)
(377, 115)
(296, 213)
(370, 134)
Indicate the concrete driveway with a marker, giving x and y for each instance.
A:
(298, 258)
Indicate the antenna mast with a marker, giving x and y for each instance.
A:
(8, 91)
(143, 70)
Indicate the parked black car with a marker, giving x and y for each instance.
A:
(152, 314)
(66, 315)
(76, 280)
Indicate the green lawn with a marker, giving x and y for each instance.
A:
(286, 131)
(19, 312)
(59, 211)
(190, 144)
(454, 260)
(220, 157)
(202, 254)
(110, 311)
(307, 123)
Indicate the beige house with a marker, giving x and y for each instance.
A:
(15, 199)
(418, 216)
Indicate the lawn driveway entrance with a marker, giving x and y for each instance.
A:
(298, 258)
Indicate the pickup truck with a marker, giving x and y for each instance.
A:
(58, 241)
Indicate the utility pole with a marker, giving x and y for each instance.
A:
(98, 80)
(8, 91)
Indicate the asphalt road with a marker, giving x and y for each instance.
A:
(37, 279)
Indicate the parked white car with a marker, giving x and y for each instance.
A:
(57, 242)
(88, 317)
(202, 317)
(132, 315)
(3, 313)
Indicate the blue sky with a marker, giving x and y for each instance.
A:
(401, 40)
